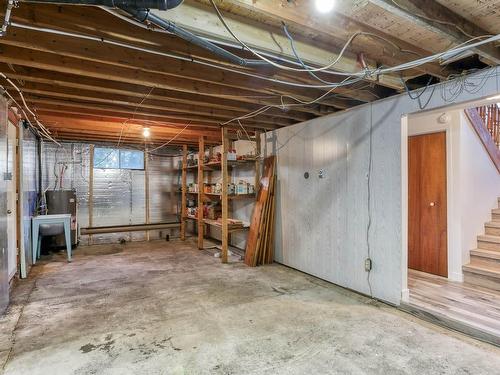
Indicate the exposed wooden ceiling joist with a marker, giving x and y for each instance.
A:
(335, 29)
(133, 77)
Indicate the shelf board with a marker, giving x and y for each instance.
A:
(218, 224)
(217, 164)
(234, 197)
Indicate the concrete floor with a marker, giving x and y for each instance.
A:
(166, 308)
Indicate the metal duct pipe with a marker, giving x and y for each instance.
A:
(144, 4)
(142, 15)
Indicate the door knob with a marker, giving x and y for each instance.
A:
(432, 204)
(9, 212)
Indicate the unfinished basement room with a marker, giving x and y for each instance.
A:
(249, 187)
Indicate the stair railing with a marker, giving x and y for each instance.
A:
(486, 122)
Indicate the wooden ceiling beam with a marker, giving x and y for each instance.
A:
(24, 74)
(109, 127)
(448, 26)
(42, 60)
(64, 125)
(59, 133)
(88, 20)
(84, 110)
(68, 137)
(170, 67)
(40, 104)
(337, 28)
(98, 52)
(115, 117)
(261, 35)
(215, 115)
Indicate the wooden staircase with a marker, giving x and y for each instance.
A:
(484, 267)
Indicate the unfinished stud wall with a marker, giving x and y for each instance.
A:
(328, 226)
(119, 196)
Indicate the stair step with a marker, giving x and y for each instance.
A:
(488, 242)
(488, 256)
(492, 228)
(485, 275)
(495, 214)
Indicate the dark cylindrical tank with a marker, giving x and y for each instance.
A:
(63, 202)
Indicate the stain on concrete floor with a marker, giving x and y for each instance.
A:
(167, 308)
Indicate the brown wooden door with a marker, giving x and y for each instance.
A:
(427, 212)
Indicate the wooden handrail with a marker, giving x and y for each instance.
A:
(486, 123)
(490, 114)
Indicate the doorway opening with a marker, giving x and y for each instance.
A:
(451, 241)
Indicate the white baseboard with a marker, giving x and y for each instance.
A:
(456, 276)
(405, 295)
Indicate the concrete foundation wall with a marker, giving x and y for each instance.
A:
(328, 226)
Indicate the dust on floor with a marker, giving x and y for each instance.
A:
(167, 308)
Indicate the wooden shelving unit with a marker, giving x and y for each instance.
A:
(204, 169)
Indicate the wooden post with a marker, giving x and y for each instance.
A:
(91, 191)
(201, 156)
(257, 161)
(224, 199)
(184, 191)
(146, 189)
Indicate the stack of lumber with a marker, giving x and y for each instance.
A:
(231, 223)
(260, 241)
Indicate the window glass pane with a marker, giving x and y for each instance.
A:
(106, 158)
(131, 159)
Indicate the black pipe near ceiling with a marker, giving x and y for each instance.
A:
(139, 10)
(142, 4)
(143, 15)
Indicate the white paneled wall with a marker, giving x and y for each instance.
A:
(322, 223)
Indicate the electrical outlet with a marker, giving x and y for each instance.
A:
(368, 264)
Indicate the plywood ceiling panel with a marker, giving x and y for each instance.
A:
(484, 13)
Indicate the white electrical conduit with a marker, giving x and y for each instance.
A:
(25, 115)
(172, 139)
(360, 74)
(224, 43)
(366, 72)
(6, 20)
(43, 129)
(166, 54)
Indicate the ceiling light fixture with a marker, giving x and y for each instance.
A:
(324, 6)
(146, 132)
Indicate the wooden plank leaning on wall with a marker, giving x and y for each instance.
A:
(201, 196)
(183, 192)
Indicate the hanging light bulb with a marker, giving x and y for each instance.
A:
(324, 6)
(146, 132)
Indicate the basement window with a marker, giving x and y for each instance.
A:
(113, 158)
